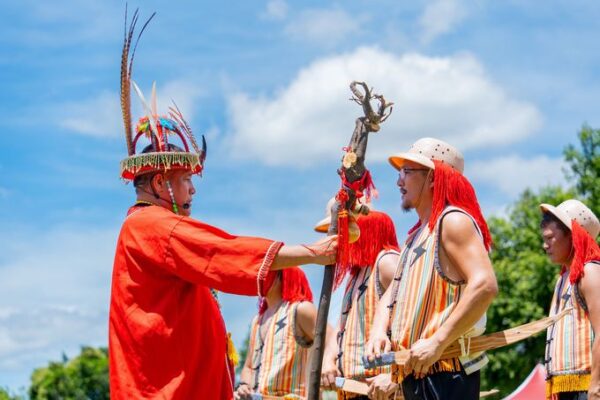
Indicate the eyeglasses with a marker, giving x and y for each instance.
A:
(404, 171)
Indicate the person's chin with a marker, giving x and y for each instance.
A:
(406, 206)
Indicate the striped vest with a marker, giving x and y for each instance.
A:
(359, 304)
(278, 362)
(569, 341)
(423, 298)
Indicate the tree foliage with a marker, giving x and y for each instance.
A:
(85, 377)
(6, 395)
(526, 277)
(584, 167)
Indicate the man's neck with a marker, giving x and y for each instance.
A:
(424, 212)
(273, 300)
(147, 198)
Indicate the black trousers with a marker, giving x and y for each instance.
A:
(573, 396)
(442, 386)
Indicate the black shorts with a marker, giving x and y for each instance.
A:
(573, 396)
(442, 386)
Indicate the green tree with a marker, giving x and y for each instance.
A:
(243, 353)
(584, 167)
(6, 395)
(85, 377)
(525, 276)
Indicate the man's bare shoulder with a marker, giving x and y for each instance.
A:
(458, 227)
(306, 309)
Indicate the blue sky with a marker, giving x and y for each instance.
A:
(509, 83)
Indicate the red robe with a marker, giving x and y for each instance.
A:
(167, 338)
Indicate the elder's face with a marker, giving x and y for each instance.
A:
(183, 190)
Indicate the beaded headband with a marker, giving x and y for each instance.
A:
(162, 156)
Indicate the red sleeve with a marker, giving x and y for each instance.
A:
(200, 253)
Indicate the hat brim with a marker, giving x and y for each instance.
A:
(397, 160)
(562, 216)
(139, 164)
(323, 225)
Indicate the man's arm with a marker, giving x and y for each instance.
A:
(466, 253)
(589, 285)
(322, 252)
(379, 342)
(244, 391)
(329, 369)
(388, 263)
(306, 320)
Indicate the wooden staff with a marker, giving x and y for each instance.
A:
(477, 344)
(353, 169)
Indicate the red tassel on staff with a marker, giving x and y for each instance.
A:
(362, 187)
(343, 251)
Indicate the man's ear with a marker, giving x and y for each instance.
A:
(158, 183)
(430, 178)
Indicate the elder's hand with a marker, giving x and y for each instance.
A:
(324, 251)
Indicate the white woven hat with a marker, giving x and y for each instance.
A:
(575, 210)
(323, 225)
(425, 150)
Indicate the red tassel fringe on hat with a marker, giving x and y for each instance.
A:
(377, 233)
(294, 288)
(586, 250)
(452, 188)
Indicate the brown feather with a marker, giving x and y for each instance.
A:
(178, 117)
(126, 69)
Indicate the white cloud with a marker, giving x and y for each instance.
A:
(513, 174)
(325, 27)
(440, 17)
(64, 23)
(311, 119)
(276, 10)
(100, 116)
(55, 289)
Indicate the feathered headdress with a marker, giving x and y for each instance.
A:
(159, 155)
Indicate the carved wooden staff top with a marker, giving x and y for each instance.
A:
(353, 173)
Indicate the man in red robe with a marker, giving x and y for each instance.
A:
(167, 338)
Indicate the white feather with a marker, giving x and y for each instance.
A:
(153, 99)
(147, 109)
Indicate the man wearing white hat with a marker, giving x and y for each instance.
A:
(445, 281)
(572, 356)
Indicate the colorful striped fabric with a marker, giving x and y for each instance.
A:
(569, 342)
(278, 362)
(423, 297)
(361, 296)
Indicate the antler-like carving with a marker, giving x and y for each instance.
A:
(355, 177)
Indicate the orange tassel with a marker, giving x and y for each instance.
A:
(377, 233)
(586, 249)
(451, 188)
